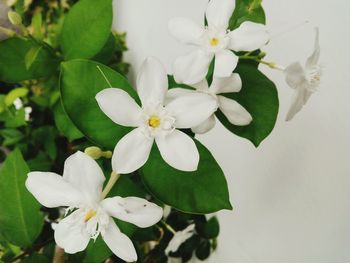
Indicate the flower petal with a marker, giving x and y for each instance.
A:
(175, 93)
(225, 62)
(313, 59)
(230, 84)
(205, 126)
(179, 151)
(295, 75)
(179, 238)
(192, 68)
(119, 106)
(219, 13)
(186, 31)
(82, 172)
(300, 98)
(192, 109)
(51, 190)
(137, 211)
(248, 37)
(119, 243)
(131, 152)
(69, 236)
(152, 82)
(234, 112)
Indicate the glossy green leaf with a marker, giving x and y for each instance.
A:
(80, 82)
(200, 192)
(11, 136)
(247, 10)
(259, 96)
(15, 94)
(86, 28)
(209, 229)
(13, 52)
(64, 123)
(20, 218)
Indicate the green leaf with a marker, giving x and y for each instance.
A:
(20, 217)
(209, 229)
(106, 53)
(86, 28)
(203, 250)
(80, 82)
(15, 94)
(11, 136)
(201, 192)
(13, 52)
(16, 119)
(247, 10)
(31, 56)
(37, 26)
(46, 135)
(36, 258)
(259, 96)
(64, 123)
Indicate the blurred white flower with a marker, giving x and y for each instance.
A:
(27, 112)
(154, 121)
(234, 112)
(80, 189)
(179, 238)
(18, 104)
(214, 40)
(304, 80)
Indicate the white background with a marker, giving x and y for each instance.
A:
(292, 194)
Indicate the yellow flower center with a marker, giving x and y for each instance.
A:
(90, 214)
(214, 41)
(154, 121)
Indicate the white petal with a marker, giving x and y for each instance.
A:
(192, 109)
(152, 82)
(205, 126)
(230, 84)
(137, 211)
(119, 106)
(192, 68)
(179, 238)
(225, 62)
(177, 93)
(234, 112)
(69, 236)
(186, 30)
(202, 85)
(313, 59)
(119, 243)
(51, 190)
(219, 13)
(295, 75)
(131, 152)
(300, 98)
(81, 171)
(179, 151)
(249, 36)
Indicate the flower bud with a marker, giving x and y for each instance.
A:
(94, 152)
(14, 18)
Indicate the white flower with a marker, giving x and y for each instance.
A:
(214, 40)
(155, 121)
(18, 104)
(234, 112)
(80, 189)
(179, 238)
(304, 80)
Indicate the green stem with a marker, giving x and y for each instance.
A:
(267, 63)
(172, 230)
(112, 180)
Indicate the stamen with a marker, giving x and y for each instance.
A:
(154, 121)
(214, 41)
(90, 214)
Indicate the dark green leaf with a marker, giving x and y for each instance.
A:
(64, 123)
(36, 258)
(11, 136)
(203, 250)
(209, 229)
(86, 28)
(20, 217)
(259, 96)
(106, 53)
(200, 192)
(80, 82)
(13, 52)
(247, 10)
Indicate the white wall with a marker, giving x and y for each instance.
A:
(292, 195)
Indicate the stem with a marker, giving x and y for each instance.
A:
(112, 180)
(172, 230)
(59, 255)
(104, 76)
(267, 63)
